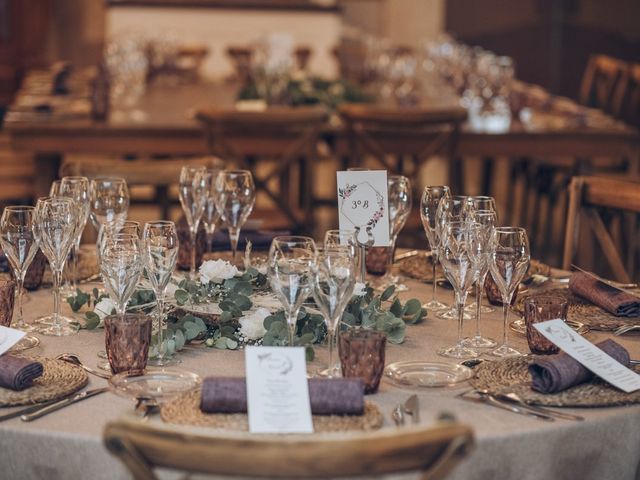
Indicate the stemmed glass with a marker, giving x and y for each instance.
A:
(431, 197)
(20, 246)
(211, 215)
(481, 248)
(334, 278)
(109, 197)
(508, 263)
(54, 228)
(160, 244)
(461, 268)
(235, 197)
(121, 268)
(77, 188)
(344, 237)
(193, 198)
(399, 188)
(290, 261)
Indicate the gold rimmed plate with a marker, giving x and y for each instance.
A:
(427, 374)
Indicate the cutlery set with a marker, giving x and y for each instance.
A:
(410, 407)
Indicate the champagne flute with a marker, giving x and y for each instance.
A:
(211, 215)
(55, 226)
(160, 244)
(334, 279)
(399, 193)
(193, 198)
(461, 268)
(235, 197)
(289, 273)
(77, 188)
(340, 238)
(66, 289)
(481, 248)
(431, 197)
(121, 268)
(508, 263)
(20, 247)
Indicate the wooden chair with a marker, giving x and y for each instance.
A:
(627, 97)
(275, 144)
(603, 76)
(158, 173)
(588, 195)
(241, 58)
(393, 135)
(142, 446)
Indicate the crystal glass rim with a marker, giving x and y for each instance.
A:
(510, 230)
(290, 239)
(235, 172)
(546, 299)
(20, 208)
(111, 179)
(49, 199)
(129, 317)
(159, 223)
(74, 178)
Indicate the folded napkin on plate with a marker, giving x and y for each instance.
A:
(260, 239)
(17, 373)
(612, 300)
(555, 373)
(344, 396)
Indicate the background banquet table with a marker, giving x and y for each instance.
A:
(68, 444)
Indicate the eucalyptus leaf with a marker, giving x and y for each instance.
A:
(92, 320)
(181, 296)
(388, 292)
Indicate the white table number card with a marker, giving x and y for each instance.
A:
(363, 205)
(590, 356)
(9, 337)
(277, 390)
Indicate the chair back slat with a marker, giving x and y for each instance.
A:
(602, 77)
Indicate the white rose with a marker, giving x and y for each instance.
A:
(217, 271)
(360, 289)
(104, 307)
(252, 325)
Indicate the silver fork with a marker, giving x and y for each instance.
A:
(626, 329)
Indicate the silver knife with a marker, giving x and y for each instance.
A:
(412, 407)
(29, 409)
(62, 403)
(605, 281)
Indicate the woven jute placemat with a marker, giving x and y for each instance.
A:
(512, 376)
(58, 380)
(185, 410)
(581, 310)
(420, 267)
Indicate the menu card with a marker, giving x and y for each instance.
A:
(363, 205)
(9, 337)
(590, 356)
(277, 390)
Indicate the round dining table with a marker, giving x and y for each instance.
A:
(68, 444)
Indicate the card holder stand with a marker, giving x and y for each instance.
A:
(363, 250)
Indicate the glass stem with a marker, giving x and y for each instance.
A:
(192, 270)
(434, 258)
(160, 316)
(505, 313)
(234, 235)
(20, 285)
(331, 335)
(478, 306)
(76, 254)
(460, 300)
(363, 264)
(209, 241)
(391, 255)
(57, 277)
(291, 322)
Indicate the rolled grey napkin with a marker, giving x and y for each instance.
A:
(614, 301)
(555, 373)
(339, 396)
(18, 373)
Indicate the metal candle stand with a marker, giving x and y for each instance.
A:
(363, 250)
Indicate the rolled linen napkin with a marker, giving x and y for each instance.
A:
(610, 299)
(555, 373)
(18, 373)
(341, 396)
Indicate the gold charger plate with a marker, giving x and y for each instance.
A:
(58, 380)
(511, 375)
(185, 410)
(581, 311)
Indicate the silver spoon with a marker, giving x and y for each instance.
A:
(514, 397)
(75, 360)
(398, 415)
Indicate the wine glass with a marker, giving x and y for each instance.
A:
(235, 197)
(431, 197)
(193, 198)
(66, 289)
(128, 227)
(54, 228)
(121, 267)
(481, 248)
(508, 263)
(211, 215)
(20, 247)
(160, 245)
(77, 188)
(334, 279)
(399, 193)
(461, 268)
(290, 261)
(109, 197)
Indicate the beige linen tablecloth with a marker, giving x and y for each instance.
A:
(68, 444)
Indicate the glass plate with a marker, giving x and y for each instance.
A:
(156, 384)
(427, 374)
(520, 328)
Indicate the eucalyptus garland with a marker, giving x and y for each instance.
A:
(384, 312)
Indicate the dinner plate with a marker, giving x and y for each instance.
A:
(160, 385)
(427, 374)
